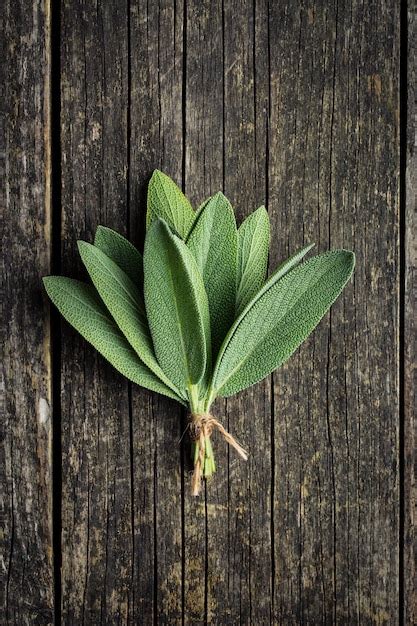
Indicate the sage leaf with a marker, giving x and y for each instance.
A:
(177, 307)
(80, 305)
(280, 271)
(287, 265)
(252, 256)
(166, 201)
(122, 252)
(197, 214)
(278, 320)
(125, 303)
(213, 243)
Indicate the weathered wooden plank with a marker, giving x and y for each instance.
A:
(156, 141)
(298, 80)
(96, 464)
(108, 99)
(227, 537)
(246, 94)
(410, 329)
(334, 180)
(205, 519)
(26, 424)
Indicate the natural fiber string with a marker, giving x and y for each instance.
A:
(201, 426)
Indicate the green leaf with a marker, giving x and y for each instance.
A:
(197, 214)
(125, 303)
(213, 243)
(287, 265)
(177, 308)
(122, 252)
(166, 201)
(252, 256)
(80, 305)
(278, 320)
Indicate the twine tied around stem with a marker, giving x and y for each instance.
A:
(201, 426)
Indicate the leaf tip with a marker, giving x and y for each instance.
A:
(83, 246)
(345, 259)
(264, 216)
(49, 282)
(100, 230)
(220, 201)
(157, 175)
(350, 258)
(224, 199)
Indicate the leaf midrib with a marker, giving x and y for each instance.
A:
(109, 270)
(179, 323)
(85, 304)
(241, 363)
(272, 280)
(107, 319)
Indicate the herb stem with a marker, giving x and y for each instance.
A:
(210, 397)
(193, 398)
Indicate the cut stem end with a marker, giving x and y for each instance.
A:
(204, 464)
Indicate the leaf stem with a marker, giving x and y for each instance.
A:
(193, 398)
(210, 395)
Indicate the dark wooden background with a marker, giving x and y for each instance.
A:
(298, 105)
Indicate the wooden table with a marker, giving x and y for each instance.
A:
(296, 105)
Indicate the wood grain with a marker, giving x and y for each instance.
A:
(204, 574)
(291, 105)
(249, 539)
(334, 178)
(410, 330)
(97, 544)
(233, 529)
(156, 141)
(26, 423)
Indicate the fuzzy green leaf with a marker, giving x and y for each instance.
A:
(252, 256)
(125, 303)
(278, 320)
(213, 242)
(122, 252)
(166, 201)
(197, 214)
(177, 308)
(80, 305)
(287, 265)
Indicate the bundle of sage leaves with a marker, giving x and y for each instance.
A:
(196, 317)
